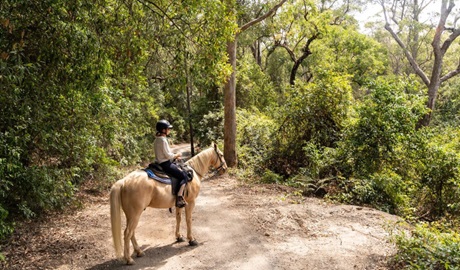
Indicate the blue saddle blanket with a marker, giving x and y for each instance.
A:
(152, 175)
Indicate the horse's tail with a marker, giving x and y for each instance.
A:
(115, 217)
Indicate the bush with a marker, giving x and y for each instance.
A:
(386, 122)
(385, 191)
(210, 128)
(254, 88)
(6, 228)
(439, 192)
(427, 247)
(255, 133)
(316, 114)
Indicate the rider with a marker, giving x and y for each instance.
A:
(165, 157)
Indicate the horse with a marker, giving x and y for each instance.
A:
(135, 192)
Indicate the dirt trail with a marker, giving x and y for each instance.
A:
(237, 227)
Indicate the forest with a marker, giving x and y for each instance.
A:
(296, 92)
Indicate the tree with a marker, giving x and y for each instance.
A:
(301, 24)
(83, 82)
(404, 17)
(230, 86)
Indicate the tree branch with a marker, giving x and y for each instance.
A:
(261, 18)
(451, 74)
(409, 57)
(289, 51)
(449, 40)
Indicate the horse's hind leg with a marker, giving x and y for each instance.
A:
(131, 224)
(136, 247)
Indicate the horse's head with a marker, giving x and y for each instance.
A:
(220, 165)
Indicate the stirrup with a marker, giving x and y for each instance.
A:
(180, 202)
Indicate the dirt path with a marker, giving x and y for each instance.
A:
(237, 226)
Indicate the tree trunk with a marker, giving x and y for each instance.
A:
(230, 88)
(230, 109)
(189, 107)
(255, 48)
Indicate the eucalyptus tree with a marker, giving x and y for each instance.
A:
(303, 23)
(230, 87)
(403, 20)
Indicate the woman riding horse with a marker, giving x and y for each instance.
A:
(165, 157)
(136, 191)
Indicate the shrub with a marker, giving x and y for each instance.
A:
(254, 139)
(439, 176)
(386, 122)
(316, 114)
(427, 247)
(210, 128)
(386, 191)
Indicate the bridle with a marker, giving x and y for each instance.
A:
(222, 162)
(216, 169)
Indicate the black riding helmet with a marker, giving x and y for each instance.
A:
(163, 124)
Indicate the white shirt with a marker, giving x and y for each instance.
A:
(162, 151)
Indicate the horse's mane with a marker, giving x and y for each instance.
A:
(199, 162)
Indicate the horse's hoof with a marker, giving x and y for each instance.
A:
(140, 254)
(193, 243)
(180, 239)
(130, 262)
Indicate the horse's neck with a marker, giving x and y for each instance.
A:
(201, 162)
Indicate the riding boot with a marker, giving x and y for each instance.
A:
(180, 201)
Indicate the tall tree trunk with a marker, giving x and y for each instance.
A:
(230, 88)
(230, 109)
(189, 107)
(255, 48)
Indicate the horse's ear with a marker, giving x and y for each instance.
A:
(214, 145)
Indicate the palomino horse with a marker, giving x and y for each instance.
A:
(136, 192)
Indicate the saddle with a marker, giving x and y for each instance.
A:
(155, 172)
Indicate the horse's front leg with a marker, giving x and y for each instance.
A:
(179, 237)
(188, 218)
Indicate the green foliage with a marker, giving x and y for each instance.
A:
(379, 154)
(6, 228)
(347, 51)
(210, 128)
(427, 247)
(255, 138)
(318, 172)
(389, 164)
(316, 113)
(254, 89)
(269, 177)
(448, 104)
(83, 83)
(439, 176)
(386, 191)
(385, 125)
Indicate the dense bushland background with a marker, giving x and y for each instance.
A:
(320, 106)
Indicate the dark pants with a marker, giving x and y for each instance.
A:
(172, 170)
